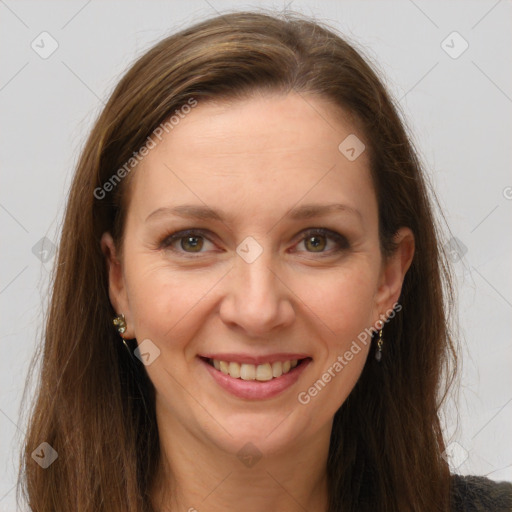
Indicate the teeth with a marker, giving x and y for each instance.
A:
(234, 370)
(260, 372)
(224, 367)
(264, 372)
(277, 369)
(247, 371)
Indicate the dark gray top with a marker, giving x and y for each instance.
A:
(479, 494)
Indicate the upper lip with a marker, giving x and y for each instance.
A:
(252, 359)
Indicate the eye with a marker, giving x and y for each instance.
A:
(316, 239)
(190, 241)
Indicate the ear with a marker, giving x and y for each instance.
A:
(393, 272)
(116, 284)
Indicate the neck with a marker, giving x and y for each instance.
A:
(197, 475)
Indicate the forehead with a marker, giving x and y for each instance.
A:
(265, 152)
(263, 126)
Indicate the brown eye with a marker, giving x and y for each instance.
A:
(316, 240)
(194, 243)
(185, 242)
(317, 243)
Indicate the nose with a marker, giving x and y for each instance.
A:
(257, 301)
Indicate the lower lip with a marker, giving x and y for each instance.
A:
(254, 389)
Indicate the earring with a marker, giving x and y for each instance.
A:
(380, 342)
(120, 323)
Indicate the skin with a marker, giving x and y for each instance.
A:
(255, 160)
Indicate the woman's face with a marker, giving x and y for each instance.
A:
(256, 283)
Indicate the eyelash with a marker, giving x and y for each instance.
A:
(340, 240)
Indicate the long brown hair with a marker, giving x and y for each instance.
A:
(95, 406)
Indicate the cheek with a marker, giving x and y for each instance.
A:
(162, 300)
(342, 299)
(345, 304)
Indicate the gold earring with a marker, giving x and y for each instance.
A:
(120, 323)
(380, 342)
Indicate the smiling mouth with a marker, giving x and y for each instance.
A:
(261, 372)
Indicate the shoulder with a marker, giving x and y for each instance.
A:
(478, 493)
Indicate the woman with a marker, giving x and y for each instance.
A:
(248, 308)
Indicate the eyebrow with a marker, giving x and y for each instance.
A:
(303, 212)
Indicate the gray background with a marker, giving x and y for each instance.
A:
(457, 109)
